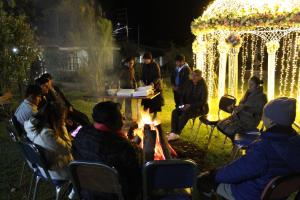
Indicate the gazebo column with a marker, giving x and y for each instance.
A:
(233, 70)
(272, 48)
(201, 55)
(223, 50)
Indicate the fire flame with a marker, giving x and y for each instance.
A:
(146, 119)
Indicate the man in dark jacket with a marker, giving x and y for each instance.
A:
(193, 103)
(179, 77)
(75, 117)
(277, 153)
(105, 142)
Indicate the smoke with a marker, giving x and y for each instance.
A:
(87, 36)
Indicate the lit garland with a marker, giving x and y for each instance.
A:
(244, 62)
(294, 64)
(262, 57)
(288, 65)
(282, 71)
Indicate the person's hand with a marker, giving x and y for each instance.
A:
(230, 108)
(239, 108)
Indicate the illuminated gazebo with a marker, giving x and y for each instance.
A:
(235, 36)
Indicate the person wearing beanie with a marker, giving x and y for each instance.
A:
(151, 76)
(247, 115)
(105, 142)
(276, 153)
(179, 77)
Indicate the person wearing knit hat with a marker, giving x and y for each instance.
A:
(276, 153)
(105, 142)
(280, 111)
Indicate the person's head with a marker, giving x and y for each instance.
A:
(49, 77)
(280, 111)
(254, 83)
(179, 60)
(108, 113)
(44, 84)
(196, 76)
(34, 94)
(130, 62)
(147, 58)
(52, 115)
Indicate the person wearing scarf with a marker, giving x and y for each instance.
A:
(105, 142)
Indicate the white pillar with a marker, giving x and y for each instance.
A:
(223, 50)
(233, 70)
(272, 47)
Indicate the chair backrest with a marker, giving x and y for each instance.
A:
(19, 128)
(281, 187)
(225, 102)
(168, 174)
(33, 154)
(95, 178)
(11, 130)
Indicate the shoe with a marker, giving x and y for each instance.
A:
(173, 136)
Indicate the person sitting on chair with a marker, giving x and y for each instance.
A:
(179, 77)
(193, 104)
(29, 106)
(105, 142)
(247, 115)
(47, 130)
(276, 153)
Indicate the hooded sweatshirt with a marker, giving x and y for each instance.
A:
(277, 153)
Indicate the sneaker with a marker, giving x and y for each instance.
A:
(173, 136)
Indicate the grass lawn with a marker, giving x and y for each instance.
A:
(11, 161)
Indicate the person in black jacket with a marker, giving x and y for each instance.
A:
(128, 81)
(105, 142)
(179, 77)
(151, 75)
(193, 103)
(75, 117)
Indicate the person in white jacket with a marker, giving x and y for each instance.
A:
(47, 130)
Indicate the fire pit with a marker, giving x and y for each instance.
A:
(153, 141)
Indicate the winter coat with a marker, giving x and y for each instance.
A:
(126, 81)
(184, 74)
(196, 96)
(277, 153)
(91, 144)
(56, 149)
(248, 118)
(151, 75)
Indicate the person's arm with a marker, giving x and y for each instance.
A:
(186, 75)
(56, 143)
(202, 97)
(250, 166)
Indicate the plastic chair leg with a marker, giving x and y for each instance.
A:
(21, 175)
(198, 131)
(57, 192)
(210, 135)
(30, 187)
(36, 187)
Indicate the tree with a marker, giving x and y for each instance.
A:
(18, 49)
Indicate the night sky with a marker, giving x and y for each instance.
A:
(160, 21)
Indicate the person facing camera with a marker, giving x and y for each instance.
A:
(193, 103)
(247, 115)
(105, 142)
(47, 130)
(276, 153)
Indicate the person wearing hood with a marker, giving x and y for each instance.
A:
(47, 130)
(276, 153)
(179, 77)
(247, 115)
(105, 142)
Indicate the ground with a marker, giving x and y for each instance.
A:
(189, 146)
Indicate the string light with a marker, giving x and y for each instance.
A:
(244, 61)
(262, 57)
(284, 50)
(294, 64)
(288, 65)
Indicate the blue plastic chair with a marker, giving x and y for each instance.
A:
(162, 178)
(94, 179)
(243, 140)
(33, 154)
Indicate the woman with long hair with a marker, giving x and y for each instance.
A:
(48, 131)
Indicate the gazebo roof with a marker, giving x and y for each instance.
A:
(235, 15)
